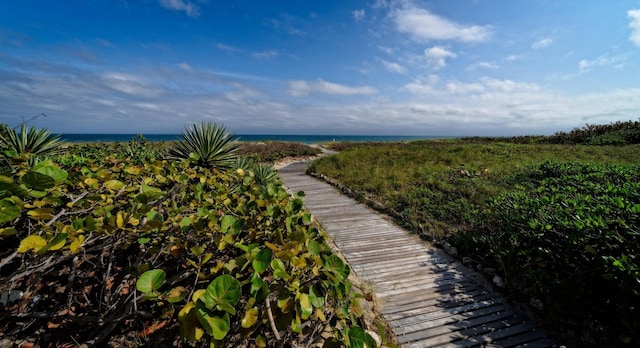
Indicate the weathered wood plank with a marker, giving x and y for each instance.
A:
(427, 299)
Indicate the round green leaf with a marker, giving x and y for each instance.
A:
(224, 292)
(316, 296)
(218, 327)
(305, 306)
(38, 181)
(8, 210)
(227, 223)
(177, 294)
(358, 338)
(338, 269)
(261, 261)
(151, 280)
(250, 318)
(114, 185)
(279, 270)
(49, 168)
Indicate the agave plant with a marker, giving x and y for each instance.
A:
(244, 162)
(208, 145)
(264, 174)
(31, 143)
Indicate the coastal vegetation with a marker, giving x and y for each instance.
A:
(126, 245)
(554, 220)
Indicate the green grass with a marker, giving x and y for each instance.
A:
(559, 223)
(432, 185)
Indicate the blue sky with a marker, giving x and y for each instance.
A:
(394, 67)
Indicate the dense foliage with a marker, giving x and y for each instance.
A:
(273, 151)
(430, 186)
(567, 239)
(616, 133)
(103, 248)
(563, 235)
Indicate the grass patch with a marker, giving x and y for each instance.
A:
(433, 185)
(272, 151)
(558, 222)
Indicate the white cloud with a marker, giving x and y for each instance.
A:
(130, 84)
(286, 23)
(603, 60)
(185, 67)
(542, 43)
(437, 56)
(483, 65)
(266, 55)
(394, 67)
(464, 88)
(634, 24)
(483, 88)
(380, 4)
(509, 86)
(300, 88)
(423, 25)
(387, 50)
(513, 57)
(358, 15)
(181, 5)
(227, 48)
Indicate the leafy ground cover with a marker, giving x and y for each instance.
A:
(272, 151)
(113, 245)
(559, 223)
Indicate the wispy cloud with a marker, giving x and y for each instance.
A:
(387, 50)
(105, 43)
(266, 54)
(423, 25)
(542, 43)
(437, 56)
(12, 38)
(483, 65)
(189, 8)
(634, 24)
(286, 23)
(129, 84)
(185, 67)
(603, 60)
(513, 57)
(300, 88)
(227, 48)
(358, 15)
(394, 67)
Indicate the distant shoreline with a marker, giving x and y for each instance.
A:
(305, 139)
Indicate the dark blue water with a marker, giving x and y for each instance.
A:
(306, 139)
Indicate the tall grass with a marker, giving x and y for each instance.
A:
(431, 186)
(562, 234)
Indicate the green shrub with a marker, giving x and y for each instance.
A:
(568, 237)
(264, 174)
(111, 252)
(139, 150)
(28, 144)
(272, 151)
(208, 145)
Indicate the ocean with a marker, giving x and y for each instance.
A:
(306, 139)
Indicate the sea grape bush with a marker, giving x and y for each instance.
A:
(616, 133)
(568, 237)
(272, 151)
(108, 250)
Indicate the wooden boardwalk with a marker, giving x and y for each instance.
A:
(428, 299)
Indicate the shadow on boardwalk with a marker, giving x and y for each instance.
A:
(428, 299)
